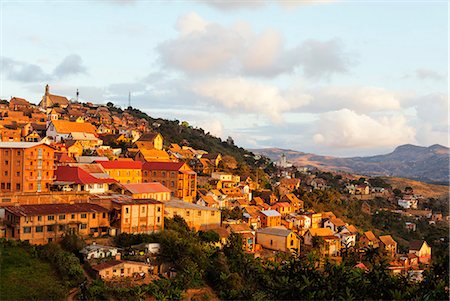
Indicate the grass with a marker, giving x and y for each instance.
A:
(25, 277)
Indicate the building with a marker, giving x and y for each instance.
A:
(278, 239)
(137, 216)
(60, 130)
(50, 100)
(153, 190)
(123, 171)
(421, 249)
(40, 224)
(75, 178)
(196, 216)
(177, 176)
(369, 240)
(294, 201)
(96, 251)
(324, 240)
(284, 208)
(270, 218)
(116, 269)
(335, 224)
(26, 167)
(247, 234)
(389, 245)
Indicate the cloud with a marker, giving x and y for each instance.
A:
(204, 48)
(70, 65)
(426, 74)
(243, 96)
(23, 72)
(229, 5)
(346, 129)
(356, 98)
(29, 73)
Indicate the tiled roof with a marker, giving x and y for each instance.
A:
(56, 99)
(186, 205)
(270, 213)
(154, 187)
(67, 127)
(208, 199)
(175, 166)
(137, 201)
(19, 101)
(19, 144)
(387, 240)
(277, 231)
(321, 232)
(239, 228)
(118, 164)
(83, 136)
(77, 175)
(282, 204)
(148, 137)
(352, 229)
(370, 236)
(416, 244)
(337, 222)
(46, 209)
(223, 232)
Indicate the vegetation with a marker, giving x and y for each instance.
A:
(27, 275)
(236, 275)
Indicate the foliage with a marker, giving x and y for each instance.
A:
(235, 213)
(25, 276)
(126, 240)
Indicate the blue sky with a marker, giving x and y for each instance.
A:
(337, 77)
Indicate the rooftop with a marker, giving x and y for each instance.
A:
(277, 231)
(154, 187)
(186, 205)
(270, 213)
(46, 209)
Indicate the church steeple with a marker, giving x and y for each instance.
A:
(47, 90)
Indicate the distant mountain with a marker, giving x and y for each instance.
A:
(427, 164)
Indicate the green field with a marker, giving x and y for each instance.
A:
(25, 277)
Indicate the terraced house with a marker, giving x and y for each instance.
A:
(40, 224)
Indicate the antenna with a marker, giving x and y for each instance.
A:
(129, 99)
(78, 94)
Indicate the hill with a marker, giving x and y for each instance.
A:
(426, 164)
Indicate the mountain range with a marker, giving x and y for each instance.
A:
(427, 164)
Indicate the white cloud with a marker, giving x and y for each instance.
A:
(429, 74)
(359, 99)
(204, 48)
(228, 5)
(243, 96)
(347, 129)
(70, 65)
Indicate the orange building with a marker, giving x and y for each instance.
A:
(270, 218)
(177, 176)
(153, 190)
(138, 216)
(124, 172)
(26, 167)
(40, 224)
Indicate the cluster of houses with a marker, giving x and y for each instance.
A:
(84, 169)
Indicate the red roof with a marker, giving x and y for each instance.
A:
(45, 209)
(154, 187)
(162, 165)
(121, 164)
(77, 175)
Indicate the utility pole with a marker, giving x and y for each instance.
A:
(78, 94)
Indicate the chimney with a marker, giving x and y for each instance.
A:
(118, 256)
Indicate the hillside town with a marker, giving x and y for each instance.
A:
(98, 172)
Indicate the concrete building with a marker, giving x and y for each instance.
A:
(196, 216)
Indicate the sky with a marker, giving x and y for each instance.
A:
(341, 78)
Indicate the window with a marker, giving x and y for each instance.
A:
(83, 215)
(154, 173)
(18, 186)
(104, 215)
(6, 162)
(62, 216)
(126, 210)
(72, 216)
(26, 229)
(188, 213)
(143, 209)
(172, 183)
(199, 213)
(6, 173)
(158, 219)
(39, 218)
(50, 228)
(292, 242)
(83, 226)
(51, 218)
(18, 152)
(271, 242)
(61, 228)
(18, 173)
(39, 229)
(158, 209)
(212, 213)
(93, 215)
(163, 173)
(30, 186)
